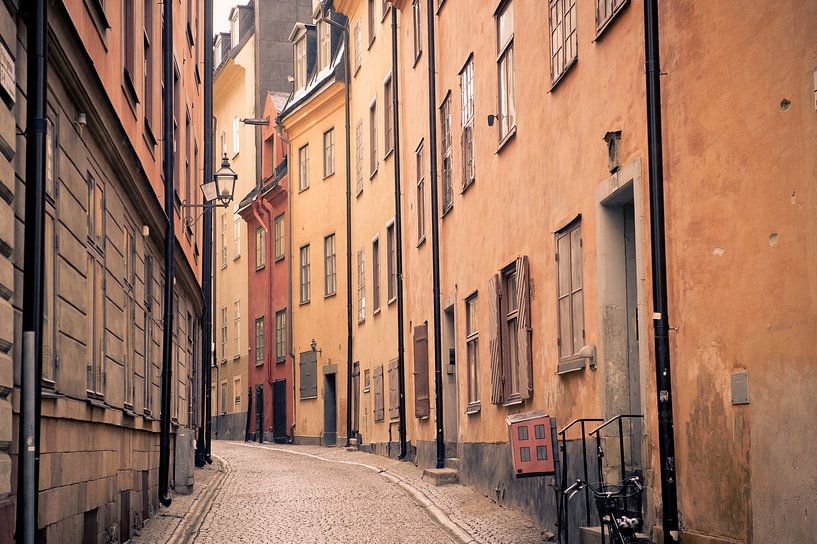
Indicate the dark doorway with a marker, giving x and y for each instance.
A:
(330, 410)
(355, 399)
(451, 409)
(279, 411)
(259, 413)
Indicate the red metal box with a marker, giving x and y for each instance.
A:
(531, 442)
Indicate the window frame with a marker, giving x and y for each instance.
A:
(419, 165)
(374, 160)
(299, 62)
(506, 93)
(466, 77)
(329, 152)
(391, 259)
(388, 116)
(417, 29)
(236, 236)
(260, 341)
(303, 168)
(604, 22)
(567, 361)
(472, 352)
(305, 275)
(376, 275)
(223, 357)
(278, 234)
(260, 247)
(280, 335)
(236, 136)
(446, 156)
(237, 328)
(330, 266)
(560, 12)
(509, 327)
(361, 286)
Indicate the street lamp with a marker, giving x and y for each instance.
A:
(220, 188)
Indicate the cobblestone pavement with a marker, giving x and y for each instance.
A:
(310, 494)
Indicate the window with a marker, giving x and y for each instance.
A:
(445, 131)
(422, 401)
(234, 29)
(359, 155)
(384, 8)
(147, 352)
(507, 104)
(361, 286)
(129, 50)
(148, 63)
(237, 393)
(223, 240)
(606, 10)
(388, 116)
(96, 328)
(510, 315)
(358, 45)
(391, 250)
(129, 340)
(236, 134)
(563, 41)
(305, 275)
(300, 63)
(373, 138)
(570, 294)
(237, 328)
(420, 173)
(472, 341)
(376, 275)
(224, 333)
(372, 27)
(280, 335)
(394, 392)
(367, 383)
(467, 96)
(324, 44)
(418, 29)
(278, 232)
(223, 397)
(330, 278)
(303, 172)
(237, 236)
(49, 317)
(260, 248)
(96, 215)
(329, 152)
(259, 340)
(379, 412)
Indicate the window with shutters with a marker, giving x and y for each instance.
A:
(309, 373)
(570, 295)
(237, 328)
(376, 275)
(563, 40)
(472, 341)
(371, 19)
(391, 256)
(417, 26)
(280, 335)
(606, 11)
(421, 194)
(361, 286)
(422, 403)
(303, 170)
(358, 44)
(366, 381)
(306, 276)
(329, 264)
(329, 152)
(388, 117)
(224, 334)
(260, 248)
(467, 120)
(445, 132)
(278, 233)
(259, 340)
(373, 161)
(394, 391)
(379, 405)
(359, 156)
(510, 328)
(505, 65)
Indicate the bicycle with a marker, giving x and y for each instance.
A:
(611, 503)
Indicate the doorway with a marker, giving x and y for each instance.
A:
(259, 413)
(330, 410)
(355, 399)
(450, 400)
(279, 411)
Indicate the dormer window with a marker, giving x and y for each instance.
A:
(217, 52)
(234, 29)
(324, 44)
(300, 63)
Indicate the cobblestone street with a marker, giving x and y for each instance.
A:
(304, 494)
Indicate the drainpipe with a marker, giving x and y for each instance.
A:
(666, 440)
(435, 234)
(28, 445)
(398, 227)
(170, 239)
(203, 444)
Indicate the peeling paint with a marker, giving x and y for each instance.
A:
(773, 239)
(718, 252)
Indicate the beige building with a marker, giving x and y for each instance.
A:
(313, 120)
(234, 92)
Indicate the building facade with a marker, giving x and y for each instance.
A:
(104, 233)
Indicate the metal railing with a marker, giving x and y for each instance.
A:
(562, 504)
(600, 451)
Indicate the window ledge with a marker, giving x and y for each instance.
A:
(613, 17)
(259, 363)
(329, 175)
(235, 257)
(571, 365)
(259, 268)
(417, 59)
(236, 357)
(391, 301)
(279, 360)
(564, 73)
(376, 312)
(305, 302)
(48, 393)
(421, 241)
(423, 418)
(507, 138)
(330, 295)
(97, 403)
(447, 208)
(366, 389)
(279, 258)
(315, 397)
(388, 154)
(516, 401)
(302, 189)
(467, 186)
(373, 174)
(473, 408)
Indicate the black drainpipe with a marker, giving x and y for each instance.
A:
(170, 240)
(398, 231)
(28, 445)
(666, 440)
(202, 445)
(435, 233)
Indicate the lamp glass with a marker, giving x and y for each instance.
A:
(209, 191)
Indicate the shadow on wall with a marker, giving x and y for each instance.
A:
(229, 426)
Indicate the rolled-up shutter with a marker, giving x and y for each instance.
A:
(377, 378)
(494, 291)
(422, 404)
(523, 330)
(394, 397)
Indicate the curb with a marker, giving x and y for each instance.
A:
(437, 515)
(188, 529)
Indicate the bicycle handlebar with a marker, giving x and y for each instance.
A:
(598, 491)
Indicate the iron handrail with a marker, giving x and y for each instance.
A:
(563, 519)
(613, 419)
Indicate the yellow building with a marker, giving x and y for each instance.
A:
(233, 100)
(313, 119)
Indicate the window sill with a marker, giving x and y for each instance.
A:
(447, 209)
(473, 408)
(388, 154)
(327, 176)
(366, 389)
(376, 312)
(373, 174)
(236, 357)
(260, 268)
(310, 398)
(279, 258)
(304, 302)
(613, 17)
(236, 257)
(570, 365)
(361, 321)
(279, 360)
(259, 363)
(417, 59)
(421, 241)
(391, 301)
(564, 73)
(467, 186)
(507, 138)
(359, 192)
(49, 393)
(330, 295)
(371, 42)
(439, 7)
(95, 402)
(302, 189)
(515, 401)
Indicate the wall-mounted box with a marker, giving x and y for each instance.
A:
(532, 446)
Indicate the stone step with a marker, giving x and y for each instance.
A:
(452, 462)
(441, 476)
(592, 535)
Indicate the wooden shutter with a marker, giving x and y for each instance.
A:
(309, 370)
(422, 404)
(378, 393)
(394, 393)
(523, 329)
(494, 293)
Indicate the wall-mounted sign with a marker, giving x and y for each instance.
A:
(8, 82)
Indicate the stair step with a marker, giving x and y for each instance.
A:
(592, 535)
(452, 462)
(441, 476)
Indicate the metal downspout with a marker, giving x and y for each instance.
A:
(398, 226)
(28, 445)
(435, 234)
(666, 440)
